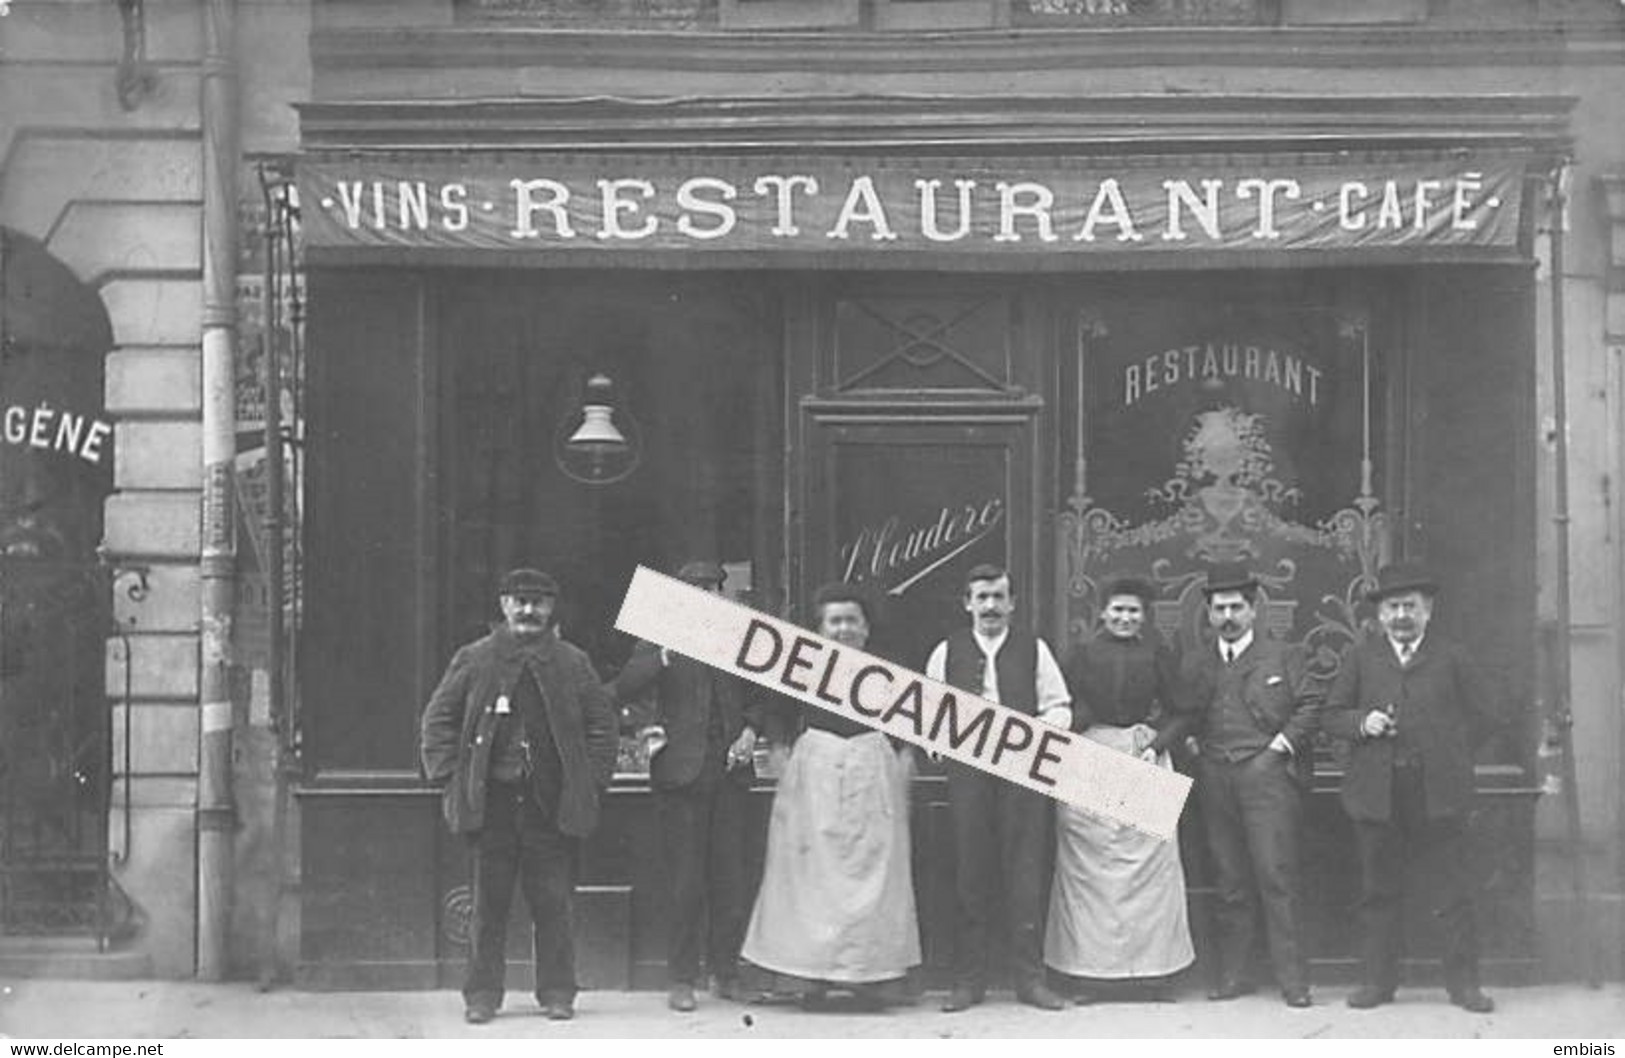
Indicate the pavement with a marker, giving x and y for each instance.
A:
(62, 1009)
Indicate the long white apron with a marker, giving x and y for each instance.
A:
(1117, 908)
(837, 896)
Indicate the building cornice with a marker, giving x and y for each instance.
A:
(336, 51)
(947, 123)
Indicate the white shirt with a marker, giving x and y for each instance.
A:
(1406, 652)
(1230, 651)
(1051, 684)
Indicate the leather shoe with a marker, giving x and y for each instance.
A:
(728, 988)
(1472, 1000)
(962, 998)
(479, 1013)
(1297, 997)
(1230, 990)
(1042, 997)
(681, 999)
(1368, 996)
(559, 1009)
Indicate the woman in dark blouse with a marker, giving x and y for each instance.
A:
(1117, 909)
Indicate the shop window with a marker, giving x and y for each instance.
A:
(941, 14)
(789, 14)
(593, 14)
(691, 364)
(1248, 429)
(1341, 12)
(1083, 13)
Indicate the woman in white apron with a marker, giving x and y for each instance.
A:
(836, 905)
(1117, 917)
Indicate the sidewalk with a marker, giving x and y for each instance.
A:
(167, 1010)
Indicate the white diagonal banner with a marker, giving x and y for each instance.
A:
(900, 702)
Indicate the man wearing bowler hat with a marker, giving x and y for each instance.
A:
(522, 735)
(1256, 710)
(1411, 706)
(702, 741)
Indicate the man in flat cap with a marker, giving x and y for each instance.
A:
(702, 740)
(1411, 705)
(522, 735)
(1256, 710)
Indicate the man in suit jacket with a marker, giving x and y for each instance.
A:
(1411, 706)
(521, 733)
(702, 741)
(1256, 710)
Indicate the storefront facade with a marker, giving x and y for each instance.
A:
(881, 290)
(886, 365)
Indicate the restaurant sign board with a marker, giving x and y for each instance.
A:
(638, 203)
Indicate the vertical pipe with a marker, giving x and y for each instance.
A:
(271, 358)
(216, 810)
(1562, 705)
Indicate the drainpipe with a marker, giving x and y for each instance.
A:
(1562, 706)
(216, 811)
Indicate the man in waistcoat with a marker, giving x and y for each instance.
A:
(1001, 830)
(1411, 705)
(702, 738)
(1256, 711)
(521, 733)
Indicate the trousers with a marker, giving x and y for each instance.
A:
(1435, 853)
(521, 843)
(1001, 835)
(1253, 809)
(702, 825)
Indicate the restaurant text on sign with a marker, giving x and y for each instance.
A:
(877, 205)
(902, 703)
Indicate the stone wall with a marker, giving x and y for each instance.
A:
(112, 189)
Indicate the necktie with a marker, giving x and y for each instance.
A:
(1405, 652)
(1229, 653)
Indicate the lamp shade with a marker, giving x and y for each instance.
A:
(597, 451)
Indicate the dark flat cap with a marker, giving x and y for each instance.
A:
(1138, 587)
(702, 571)
(1229, 576)
(1400, 577)
(528, 584)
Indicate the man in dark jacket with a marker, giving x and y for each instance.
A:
(522, 735)
(1256, 712)
(1411, 705)
(702, 740)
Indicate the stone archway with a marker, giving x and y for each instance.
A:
(55, 472)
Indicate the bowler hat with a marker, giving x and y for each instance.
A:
(701, 571)
(1401, 577)
(1138, 587)
(527, 584)
(1229, 576)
